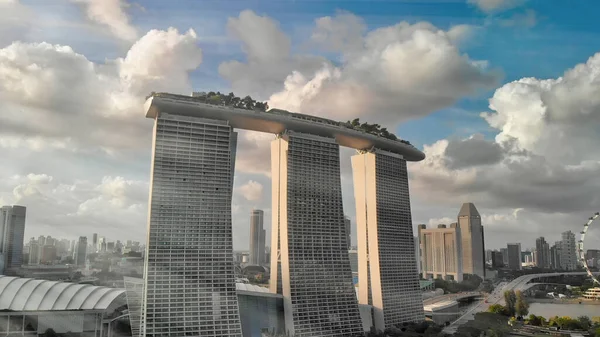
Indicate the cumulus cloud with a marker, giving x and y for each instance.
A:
(251, 191)
(268, 53)
(52, 93)
(387, 75)
(112, 14)
(58, 208)
(392, 74)
(543, 161)
(490, 6)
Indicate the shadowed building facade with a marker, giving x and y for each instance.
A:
(387, 272)
(311, 268)
(189, 277)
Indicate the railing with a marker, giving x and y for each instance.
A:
(285, 113)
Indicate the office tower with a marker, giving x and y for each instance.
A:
(513, 251)
(348, 226)
(81, 251)
(592, 254)
(568, 253)
(313, 269)
(110, 247)
(101, 244)
(50, 241)
(388, 277)
(41, 240)
(473, 247)
(353, 256)
(12, 232)
(542, 256)
(34, 252)
(504, 252)
(257, 237)
(95, 241)
(497, 259)
(555, 253)
(189, 281)
(48, 254)
(441, 253)
(527, 258)
(488, 256)
(418, 254)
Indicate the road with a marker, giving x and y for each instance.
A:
(497, 297)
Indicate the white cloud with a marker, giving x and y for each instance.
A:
(543, 162)
(112, 14)
(387, 75)
(61, 209)
(251, 191)
(489, 6)
(55, 95)
(269, 57)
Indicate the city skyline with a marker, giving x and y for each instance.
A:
(79, 162)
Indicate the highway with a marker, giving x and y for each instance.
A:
(497, 297)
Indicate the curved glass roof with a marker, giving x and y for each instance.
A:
(26, 294)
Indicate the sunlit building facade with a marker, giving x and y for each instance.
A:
(189, 285)
(388, 278)
(441, 252)
(312, 267)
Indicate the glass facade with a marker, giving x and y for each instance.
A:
(189, 274)
(387, 270)
(313, 272)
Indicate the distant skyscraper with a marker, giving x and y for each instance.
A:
(95, 241)
(497, 259)
(542, 253)
(488, 256)
(441, 253)
(41, 240)
(81, 251)
(257, 237)
(48, 254)
(418, 254)
(34, 252)
(568, 257)
(514, 256)
(504, 252)
(101, 244)
(12, 232)
(348, 226)
(473, 247)
(555, 253)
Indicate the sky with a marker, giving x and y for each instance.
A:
(501, 95)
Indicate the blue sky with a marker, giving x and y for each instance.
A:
(535, 38)
(563, 34)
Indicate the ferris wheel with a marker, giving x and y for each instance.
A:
(581, 252)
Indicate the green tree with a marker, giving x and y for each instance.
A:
(511, 300)
(585, 322)
(521, 305)
(536, 320)
(497, 309)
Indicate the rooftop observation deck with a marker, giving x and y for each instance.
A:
(277, 121)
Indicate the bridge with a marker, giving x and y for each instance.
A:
(277, 121)
(521, 283)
